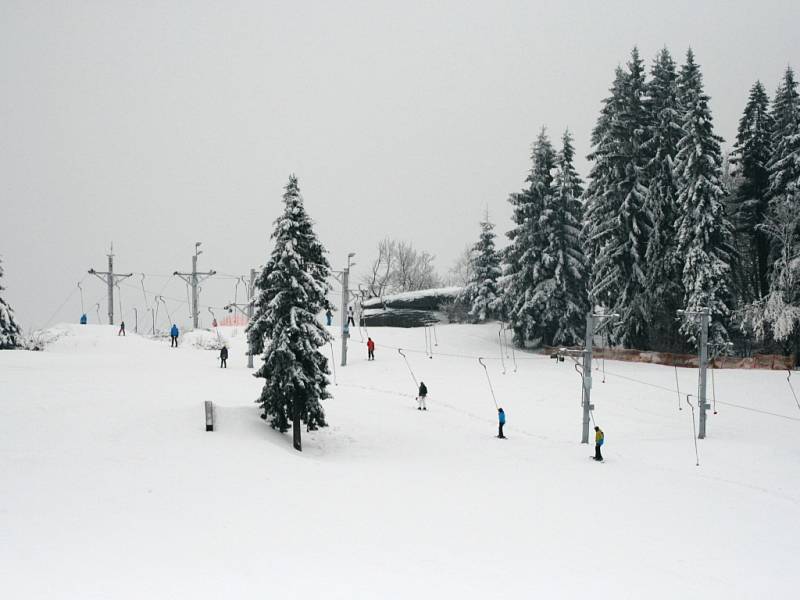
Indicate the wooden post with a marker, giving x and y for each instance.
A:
(209, 416)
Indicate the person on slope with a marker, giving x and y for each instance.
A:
(501, 419)
(370, 349)
(173, 334)
(84, 320)
(121, 331)
(329, 317)
(599, 438)
(223, 358)
(350, 319)
(423, 392)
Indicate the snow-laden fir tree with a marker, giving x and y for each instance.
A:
(617, 225)
(291, 292)
(750, 198)
(704, 233)
(663, 267)
(523, 267)
(777, 315)
(10, 333)
(565, 299)
(784, 167)
(482, 292)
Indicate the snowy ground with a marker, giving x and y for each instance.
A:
(111, 488)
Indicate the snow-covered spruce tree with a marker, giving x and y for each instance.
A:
(704, 233)
(777, 315)
(565, 299)
(291, 291)
(10, 333)
(617, 225)
(750, 158)
(482, 293)
(784, 167)
(663, 267)
(523, 269)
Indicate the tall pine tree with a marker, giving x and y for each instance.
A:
(292, 291)
(482, 293)
(617, 225)
(750, 199)
(784, 167)
(704, 233)
(663, 267)
(10, 333)
(566, 304)
(523, 256)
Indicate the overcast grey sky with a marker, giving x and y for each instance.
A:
(158, 124)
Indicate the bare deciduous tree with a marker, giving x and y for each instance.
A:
(460, 273)
(399, 267)
(379, 277)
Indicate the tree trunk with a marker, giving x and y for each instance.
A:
(298, 444)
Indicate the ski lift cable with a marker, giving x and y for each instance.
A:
(410, 370)
(333, 363)
(119, 301)
(513, 353)
(83, 309)
(188, 299)
(62, 305)
(464, 356)
(144, 293)
(500, 339)
(666, 389)
(713, 389)
(791, 387)
(489, 379)
(694, 431)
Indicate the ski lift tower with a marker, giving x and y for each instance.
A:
(591, 321)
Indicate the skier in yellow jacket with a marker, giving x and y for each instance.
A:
(599, 437)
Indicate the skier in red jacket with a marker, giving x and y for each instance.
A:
(370, 349)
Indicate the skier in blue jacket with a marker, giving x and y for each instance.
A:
(501, 418)
(173, 334)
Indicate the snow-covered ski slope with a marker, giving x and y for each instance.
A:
(111, 488)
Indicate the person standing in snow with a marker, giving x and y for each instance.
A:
(501, 419)
(370, 349)
(121, 331)
(423, 392)
(350, 319)
(173, 334)
(223, 358)
(329, 317)
(599, 438)
(84, 319)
